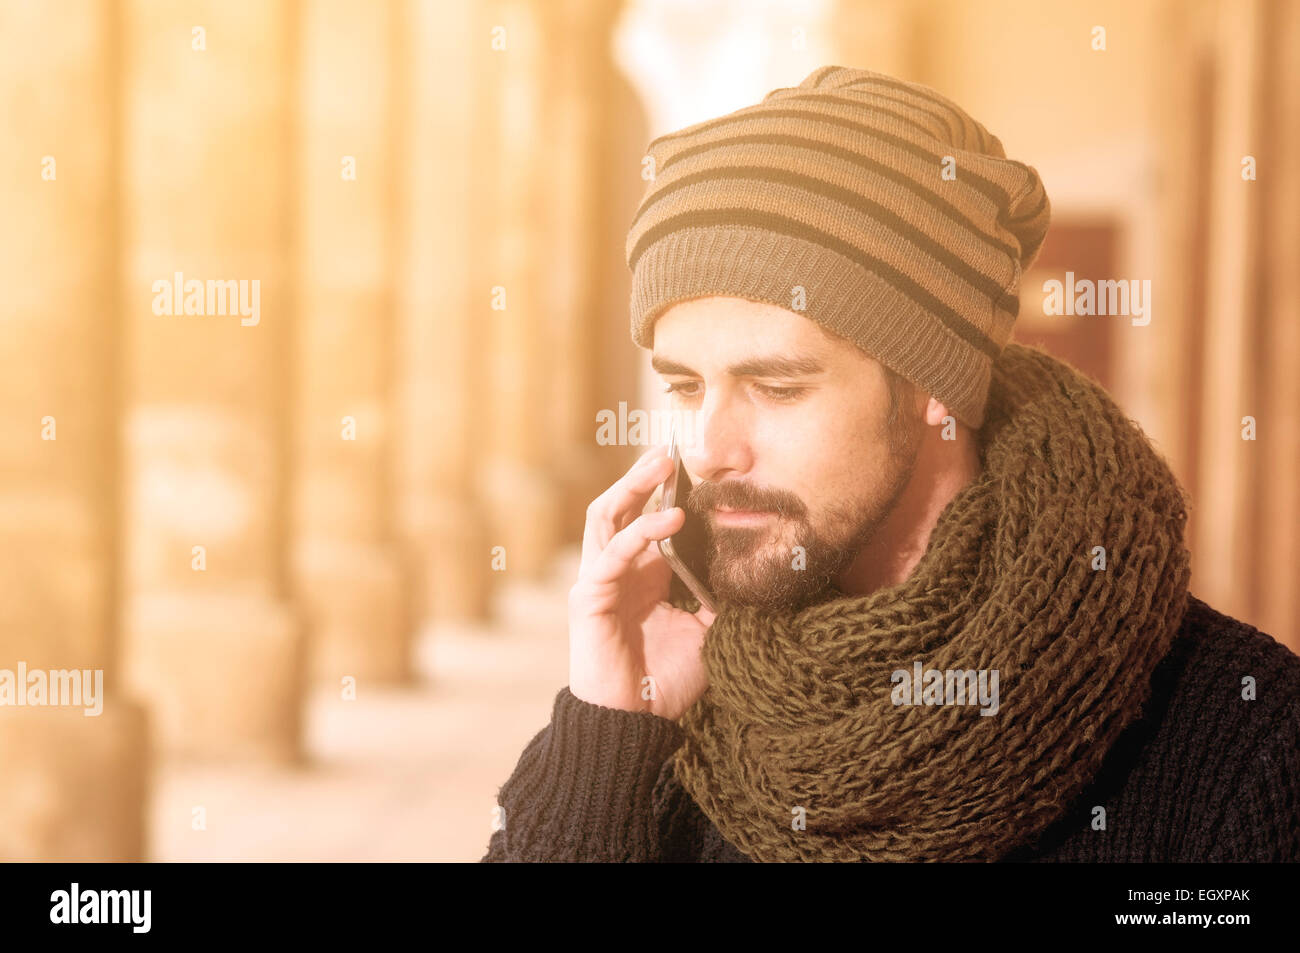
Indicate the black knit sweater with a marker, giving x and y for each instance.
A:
(1203, 775)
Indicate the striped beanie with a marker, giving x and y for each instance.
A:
(874, 206)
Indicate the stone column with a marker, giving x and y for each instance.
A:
(1179, 82)
(75, 784)
(209, 639)
(440, 338)
(588, 174)
(1220, 526)
(513, 83)
(346, 567)
(1277, 598)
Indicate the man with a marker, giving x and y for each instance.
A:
(953, 612)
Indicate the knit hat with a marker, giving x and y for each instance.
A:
(874, 206)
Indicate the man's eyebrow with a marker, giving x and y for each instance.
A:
(772, 366)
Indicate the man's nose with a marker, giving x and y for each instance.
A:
(717, 441)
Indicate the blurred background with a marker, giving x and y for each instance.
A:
(319, 543)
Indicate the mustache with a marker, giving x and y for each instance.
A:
(737, 495)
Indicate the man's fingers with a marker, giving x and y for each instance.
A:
(629, 542)
(612, 510)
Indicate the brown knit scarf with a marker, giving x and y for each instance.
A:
(800, 709)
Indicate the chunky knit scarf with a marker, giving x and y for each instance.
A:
(797, 750)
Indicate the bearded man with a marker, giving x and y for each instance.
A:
(828, 281)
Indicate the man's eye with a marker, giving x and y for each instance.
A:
(780, 393)
(682, 388)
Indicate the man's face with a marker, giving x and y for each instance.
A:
(794, 464)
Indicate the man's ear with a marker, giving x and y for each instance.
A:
(935, 411)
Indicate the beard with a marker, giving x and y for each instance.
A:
(761, 566)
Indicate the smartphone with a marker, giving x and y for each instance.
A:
(687, 549)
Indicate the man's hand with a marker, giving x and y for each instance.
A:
(621, 627)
